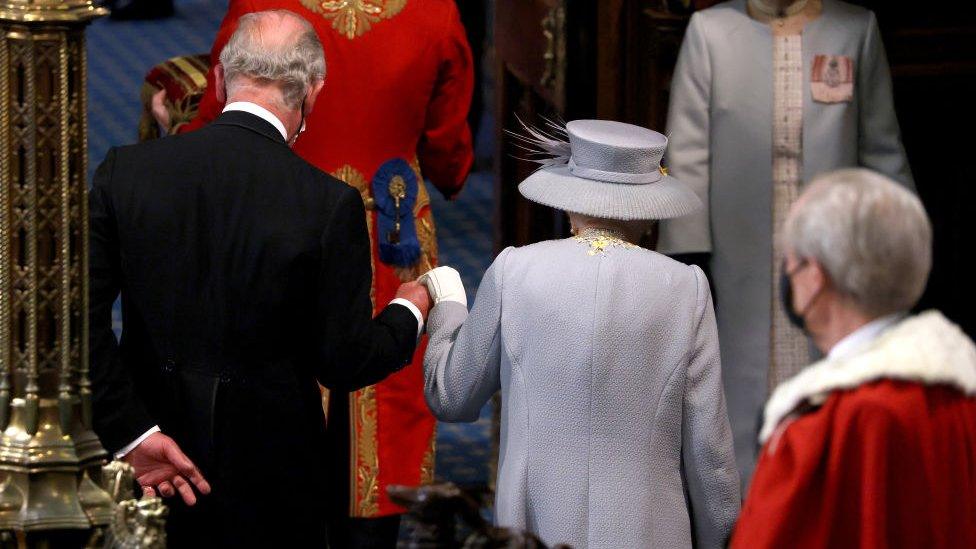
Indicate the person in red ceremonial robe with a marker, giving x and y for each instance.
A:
(394, 110)
(875, 445)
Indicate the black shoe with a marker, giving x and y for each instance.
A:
(141, 9)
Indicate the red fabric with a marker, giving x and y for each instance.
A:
(889, 464)
(400, 90)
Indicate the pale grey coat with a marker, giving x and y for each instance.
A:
(720, 129)
(614, 430)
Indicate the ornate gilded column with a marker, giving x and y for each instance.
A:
(49, 456)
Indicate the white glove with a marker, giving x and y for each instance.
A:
(444, 284)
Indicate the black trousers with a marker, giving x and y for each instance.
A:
(346, 532)
(364, 533)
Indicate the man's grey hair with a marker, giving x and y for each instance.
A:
(293, 63)
(871, 235)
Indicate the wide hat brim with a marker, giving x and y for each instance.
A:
(557, 187)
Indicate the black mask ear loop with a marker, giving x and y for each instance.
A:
(786, 296)
(301, 124)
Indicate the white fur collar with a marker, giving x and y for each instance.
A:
(927, 349)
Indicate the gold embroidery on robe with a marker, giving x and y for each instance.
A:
(364, 452)
(353, 18)
(365, 484)
(355, 179)
(427, 466)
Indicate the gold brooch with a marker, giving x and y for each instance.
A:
(353, 18)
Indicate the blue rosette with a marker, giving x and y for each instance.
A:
(395, 190)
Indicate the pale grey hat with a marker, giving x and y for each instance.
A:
(605, 169)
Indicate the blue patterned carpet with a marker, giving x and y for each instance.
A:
(120, 54)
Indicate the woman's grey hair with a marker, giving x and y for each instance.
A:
(293, 62)
(871, 235)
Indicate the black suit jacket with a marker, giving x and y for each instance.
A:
(245, 278)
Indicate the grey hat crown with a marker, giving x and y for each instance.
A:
(615, 152)
(604, 169)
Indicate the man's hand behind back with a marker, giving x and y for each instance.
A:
(417, 294)
(160, 465)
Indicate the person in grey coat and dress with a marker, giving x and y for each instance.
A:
(614, 430)
(762, 102)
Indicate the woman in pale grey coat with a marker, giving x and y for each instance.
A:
(614, 429)
(766, 95)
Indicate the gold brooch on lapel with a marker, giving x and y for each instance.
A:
(353, 18)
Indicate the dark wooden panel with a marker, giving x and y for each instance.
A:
(521, 43)
(546, 67)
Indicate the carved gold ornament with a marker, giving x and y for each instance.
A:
(353, 18)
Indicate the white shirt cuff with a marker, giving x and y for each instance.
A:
(122, 453)
(413, 309)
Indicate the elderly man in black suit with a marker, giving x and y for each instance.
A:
(245, 278)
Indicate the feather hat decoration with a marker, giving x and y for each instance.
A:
(601, 168)
(546, 146)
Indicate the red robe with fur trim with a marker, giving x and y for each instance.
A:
(887, 463)
(398, 84)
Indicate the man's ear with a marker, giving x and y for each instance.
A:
(220, 89)
(818, 276)
(313, 94)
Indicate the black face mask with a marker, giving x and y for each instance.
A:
(301, 124)
(786, 296)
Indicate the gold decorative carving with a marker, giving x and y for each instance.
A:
(138, 525)
(49, 457)
(354, 18)
(365, 484)
(118, 478)
(49, 11)
(554, 31)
